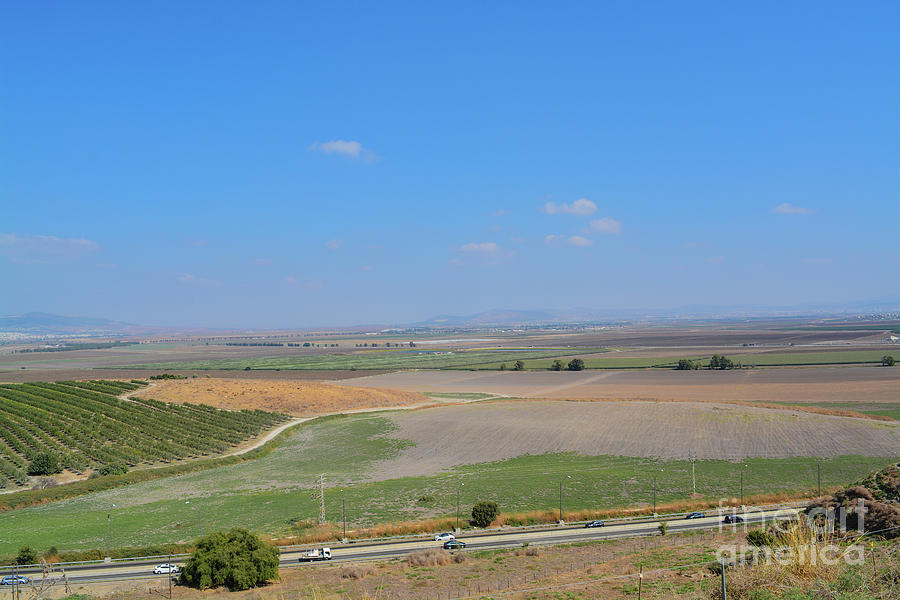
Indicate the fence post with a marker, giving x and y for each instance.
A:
(724, 597)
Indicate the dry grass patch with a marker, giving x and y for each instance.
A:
(428, 558)
(299, 398)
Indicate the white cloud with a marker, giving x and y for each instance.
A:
(333, 244)
(44, 248)
(191, 279)
(605, 225)
(499, 213)
(456, 262)
(348, 148)
(311, 284)
(481, 247)
(581, 207)
(789, 209)
(571, 240)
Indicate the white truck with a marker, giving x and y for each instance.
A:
(315, 554)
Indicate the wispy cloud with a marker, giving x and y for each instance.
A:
(481, 247)
(606, 225)
(716, 260)
(348, 148)
(191, 279)
(581, 207)
(787, 208)
(499, 213)
(334, 244)
(261, 262)
(34, 249)
(570, 240)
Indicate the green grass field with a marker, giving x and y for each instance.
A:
(885, 409)
(609, 360)
(369, 360)
(269, 493)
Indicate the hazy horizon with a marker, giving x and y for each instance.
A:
(304, 165)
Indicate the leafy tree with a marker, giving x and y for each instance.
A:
(519, 366)
(502, 366)
(686, 364)
(760, 538)
(26, 556)
(44, 464)
(113, 469)
(720, 362)
(663, 527)
(576, 364)
(236, 559)
(557, 365)
(887, 360)
(484, 513)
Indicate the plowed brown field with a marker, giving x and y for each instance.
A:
(291, 397)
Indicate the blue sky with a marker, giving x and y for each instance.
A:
(285, 164)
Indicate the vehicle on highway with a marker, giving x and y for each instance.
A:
(733, 519)
(695, 515)
(454, 545)
(315, 554)
(166, 568)
(443, 537)
(595, 523)
(14, 580)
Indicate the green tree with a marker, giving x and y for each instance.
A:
(576, 364)
(26, 556)
(686, 364)
(502, 366)
(887, 360)
(557, 365)
(236, 559)
(113, 469)
(720, 362)
(44, 464)
(484, 513)
(519, 366)
(663, 527)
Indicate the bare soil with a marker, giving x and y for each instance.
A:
(298, 398)
(815, 384)
(482, 432)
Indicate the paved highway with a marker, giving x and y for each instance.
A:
(100, 572)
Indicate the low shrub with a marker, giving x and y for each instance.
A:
(428, 558)
(356, 571)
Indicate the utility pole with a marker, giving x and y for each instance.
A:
(344, 515)
(693, 475)
(654, 494)
(742, 485)
(819, 476)
(457, 508)
(723, 580)
(321, 498)
(560, 501)
(170, 577)
(107, 536)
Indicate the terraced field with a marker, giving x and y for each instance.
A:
(85, 425)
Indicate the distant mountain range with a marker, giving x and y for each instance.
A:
(41, 324)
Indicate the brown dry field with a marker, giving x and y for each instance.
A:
(813, 384)
(449, 436)
(25, 376)
(301, 399)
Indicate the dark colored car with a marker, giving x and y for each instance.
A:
(695, 515)
(14, 579)
(733, 519)
(454, 545)
(594, 524)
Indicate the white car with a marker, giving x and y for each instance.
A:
(166, 568)
(444, 537)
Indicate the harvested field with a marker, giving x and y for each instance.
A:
(74, 374)
(447, 437)
(291, 397)
(820, 384)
